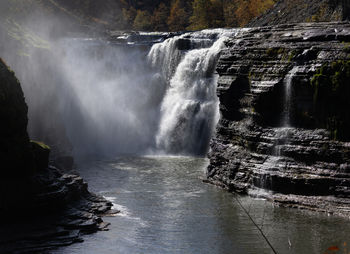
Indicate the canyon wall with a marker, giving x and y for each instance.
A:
(283, 129)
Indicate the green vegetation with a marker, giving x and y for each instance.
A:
(346, 47)
(331, 98)
(41, 144)
(274, 52)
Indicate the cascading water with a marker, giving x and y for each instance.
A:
(130, 98)
(282, 133)
(288, 95)
(189, 110)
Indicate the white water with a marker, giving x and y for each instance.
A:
(288, 95)
(283, 132)
(189, 111)
(113, 100)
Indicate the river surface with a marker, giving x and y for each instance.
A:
(166, 208)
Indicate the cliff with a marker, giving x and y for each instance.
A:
(297, 11)
(45, 208)
(283, 131)
(15, 154)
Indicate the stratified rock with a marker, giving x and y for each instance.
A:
(269, 141)
(59, 211)
(287, 11)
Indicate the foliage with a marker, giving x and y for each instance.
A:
(41, 144)
(246, 10)
(142, 21)
(194, 14)
(174, 15)
(178, 18)
(129, 15)
(200, 17)
(207, 14)
(160, 18)
(331, 98)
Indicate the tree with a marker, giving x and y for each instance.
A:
(160, 17)
(142, 21)
(229, 9)
(200, 18)
(129, 16)
(249, 9)
(178, 18)
(207, 14)
(216, 13)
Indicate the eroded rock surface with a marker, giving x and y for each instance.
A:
(268, 141)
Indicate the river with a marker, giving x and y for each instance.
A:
(166, 208)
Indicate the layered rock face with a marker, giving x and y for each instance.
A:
(44, 207)
(292, 11)
(270, 140)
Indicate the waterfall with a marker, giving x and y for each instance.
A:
(288, 95)
(113, 99)
(283, 132)
(189, 110)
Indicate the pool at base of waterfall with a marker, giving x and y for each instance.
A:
(166, 208)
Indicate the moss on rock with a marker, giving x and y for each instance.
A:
(331, 98)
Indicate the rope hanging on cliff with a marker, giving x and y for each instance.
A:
(256, 225)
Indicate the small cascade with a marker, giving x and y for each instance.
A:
(287, 96)
(189, 110)
(282, 133)
(167, 55)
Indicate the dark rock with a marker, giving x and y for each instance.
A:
(44, 208)
(59, 211)
(268, 140)
(64, 162)
(41, 155)
(15, 153)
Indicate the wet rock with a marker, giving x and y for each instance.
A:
(60, 211)
(297, 163)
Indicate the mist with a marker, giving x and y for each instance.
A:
(110, 98)
(90, 96)
(86, 96)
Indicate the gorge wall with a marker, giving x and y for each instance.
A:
(274, 139)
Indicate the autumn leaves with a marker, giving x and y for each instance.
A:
(180, 15)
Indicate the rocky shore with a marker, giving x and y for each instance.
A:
(272, 140)
(59, 211)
